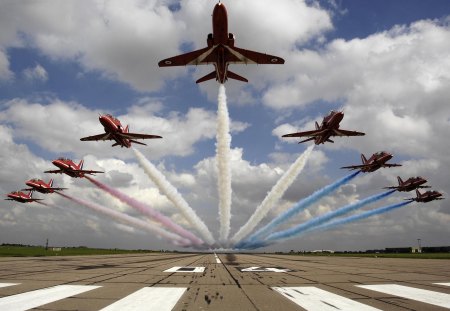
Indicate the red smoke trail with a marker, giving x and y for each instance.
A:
(135, 222)
(148, 211)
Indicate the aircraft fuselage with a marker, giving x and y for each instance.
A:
(113, 126)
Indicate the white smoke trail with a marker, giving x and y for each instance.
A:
(135, 222)
(174, 196)
(273, 196)
(223, 146)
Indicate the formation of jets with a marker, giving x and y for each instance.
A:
(221, 52)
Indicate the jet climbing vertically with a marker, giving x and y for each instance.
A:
(220, 52)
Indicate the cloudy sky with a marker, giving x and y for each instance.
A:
(386, 64)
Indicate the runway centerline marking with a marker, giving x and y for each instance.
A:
(149, 298)
(217, 258)
(316, 299)
(422, 295)
(186, 269)
(444, 284)
(36, 298)
(264, 269)
(7, 284)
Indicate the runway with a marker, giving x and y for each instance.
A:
(180, 281)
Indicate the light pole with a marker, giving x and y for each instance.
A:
(420, 247)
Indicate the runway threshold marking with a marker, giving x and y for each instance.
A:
(149, 298)
(186, 269)
(7, 284)
(36, 298)
(422, 295)
(316, 299)
(217, 258)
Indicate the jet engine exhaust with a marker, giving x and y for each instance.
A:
(174, 196)
(274, 195)
(148, 211)
(361, 216)
(223, 147)
(298, 207)
(129, 220)
(311, 224)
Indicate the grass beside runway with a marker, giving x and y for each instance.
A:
(38, 251)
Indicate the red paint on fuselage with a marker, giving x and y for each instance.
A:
(376, 161)
(220, 24)
(40, 185)
(113, 126)
(67, 166)
(20, 197)
(330, 123)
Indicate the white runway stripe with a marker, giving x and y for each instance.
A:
(422, 295)
(316, 299)
(217, 258)
(445, 284)
(149, 298)
(7, 284)
(36, 298)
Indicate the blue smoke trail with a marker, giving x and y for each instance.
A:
(292, 232)
(336, 223)
(357, 217)
(297, 208)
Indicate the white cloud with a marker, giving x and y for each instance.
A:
(37, 73)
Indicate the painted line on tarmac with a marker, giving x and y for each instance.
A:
(444, 284)
(7, 284)
(316, 299)
(36, 298)
(149, 298)
(217, 258)
(186, 269)
(422, 295)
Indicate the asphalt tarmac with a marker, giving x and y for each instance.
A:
(222, 282)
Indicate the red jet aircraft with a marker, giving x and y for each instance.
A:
(67, 166)
(41, 186)
(221, 52)
(115, 131)
(21, 197)
(328, 128)
(427, 196)
(376, 161)
(409, 184)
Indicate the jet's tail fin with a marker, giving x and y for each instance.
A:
(400, 181)
(418, 193)
(50, 183)
(127, 129)
(235, 76)
(80, 165)
(209, 76)
(363, 159)
(317, 126)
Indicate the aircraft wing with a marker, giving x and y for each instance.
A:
(192, 58)
(104, 136)
(306, 134)
(356, 167)
(347, 133)
(252, 57)
(55, 172)
(138, 136)
(393, 187)
(391, 165)
(90, 172)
